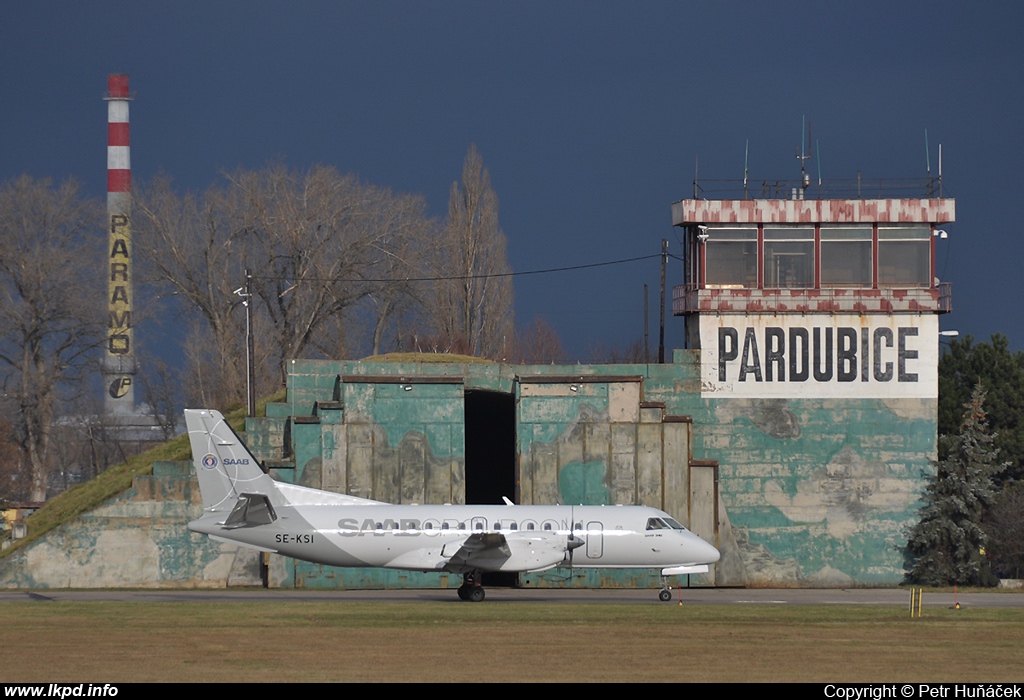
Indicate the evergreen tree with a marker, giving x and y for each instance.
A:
(963, 365)
(946, 546)
(1005, 527)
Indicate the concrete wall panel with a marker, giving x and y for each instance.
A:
(811, 490)
(138, 539)
(676, 455)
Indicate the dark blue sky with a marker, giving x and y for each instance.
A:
(589, 116)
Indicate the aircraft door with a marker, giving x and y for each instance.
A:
(595, 539)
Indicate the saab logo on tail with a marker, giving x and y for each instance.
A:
(210, 461)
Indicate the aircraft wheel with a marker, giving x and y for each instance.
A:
(462, 593)
(476, 594)
(665, 595)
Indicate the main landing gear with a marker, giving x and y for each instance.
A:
(471, 589)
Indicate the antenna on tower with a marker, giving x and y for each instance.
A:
(746, 154)
(696, 168)
(928, 166)
(817, 147)
(927, 156)
(802, 156)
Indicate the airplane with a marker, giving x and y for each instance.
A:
(244, 505)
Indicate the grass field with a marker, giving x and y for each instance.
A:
(109, 642)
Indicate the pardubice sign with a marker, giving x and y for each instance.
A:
(818, 355)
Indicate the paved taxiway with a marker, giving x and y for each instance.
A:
(689, 596)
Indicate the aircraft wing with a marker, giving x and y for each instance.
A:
(481, 550)
(487, 551)
(496, 551)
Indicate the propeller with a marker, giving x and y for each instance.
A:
(572, 542)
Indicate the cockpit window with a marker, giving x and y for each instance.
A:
(674, 524)
(663, 524)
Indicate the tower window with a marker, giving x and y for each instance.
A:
(789, 257)
(730, 256)
(846, 256)
(904, 256)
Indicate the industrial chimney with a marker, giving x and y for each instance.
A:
(119, 360)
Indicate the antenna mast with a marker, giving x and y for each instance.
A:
(802, 156)
(746, 155)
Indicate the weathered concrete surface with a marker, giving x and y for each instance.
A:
(818, 491)
(137, 539)
(794, 492)
(808, 491)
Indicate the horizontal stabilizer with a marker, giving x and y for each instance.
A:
(243, 544)
(251, 509)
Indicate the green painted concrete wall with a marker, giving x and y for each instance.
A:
(138, 539)
(809, 492)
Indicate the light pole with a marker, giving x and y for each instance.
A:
(250, 374)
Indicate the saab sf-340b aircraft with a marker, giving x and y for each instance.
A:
(242, 504)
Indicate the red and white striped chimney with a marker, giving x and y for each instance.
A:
(119, 167)
(119, 362)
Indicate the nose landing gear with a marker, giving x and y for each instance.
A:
(665, 594)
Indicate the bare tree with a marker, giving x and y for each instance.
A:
(14, 484)
(193, 248)
(49, 318)
(161, 395)
(315, 237)
(317, 244)
(473, 306)
(632, 353)
(538, 344)
(400, 257)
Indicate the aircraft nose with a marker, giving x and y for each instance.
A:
(713, 554)
(705, 553)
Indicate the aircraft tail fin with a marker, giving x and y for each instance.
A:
(226, 470)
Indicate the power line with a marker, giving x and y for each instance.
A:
(469, 277)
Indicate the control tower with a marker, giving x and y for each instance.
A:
(799, 298)
(812, 322)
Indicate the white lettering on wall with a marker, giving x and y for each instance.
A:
(847, 355)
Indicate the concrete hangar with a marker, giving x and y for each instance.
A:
(795, 431)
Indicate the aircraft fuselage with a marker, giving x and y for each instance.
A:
(424, 537)
(242, 504)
